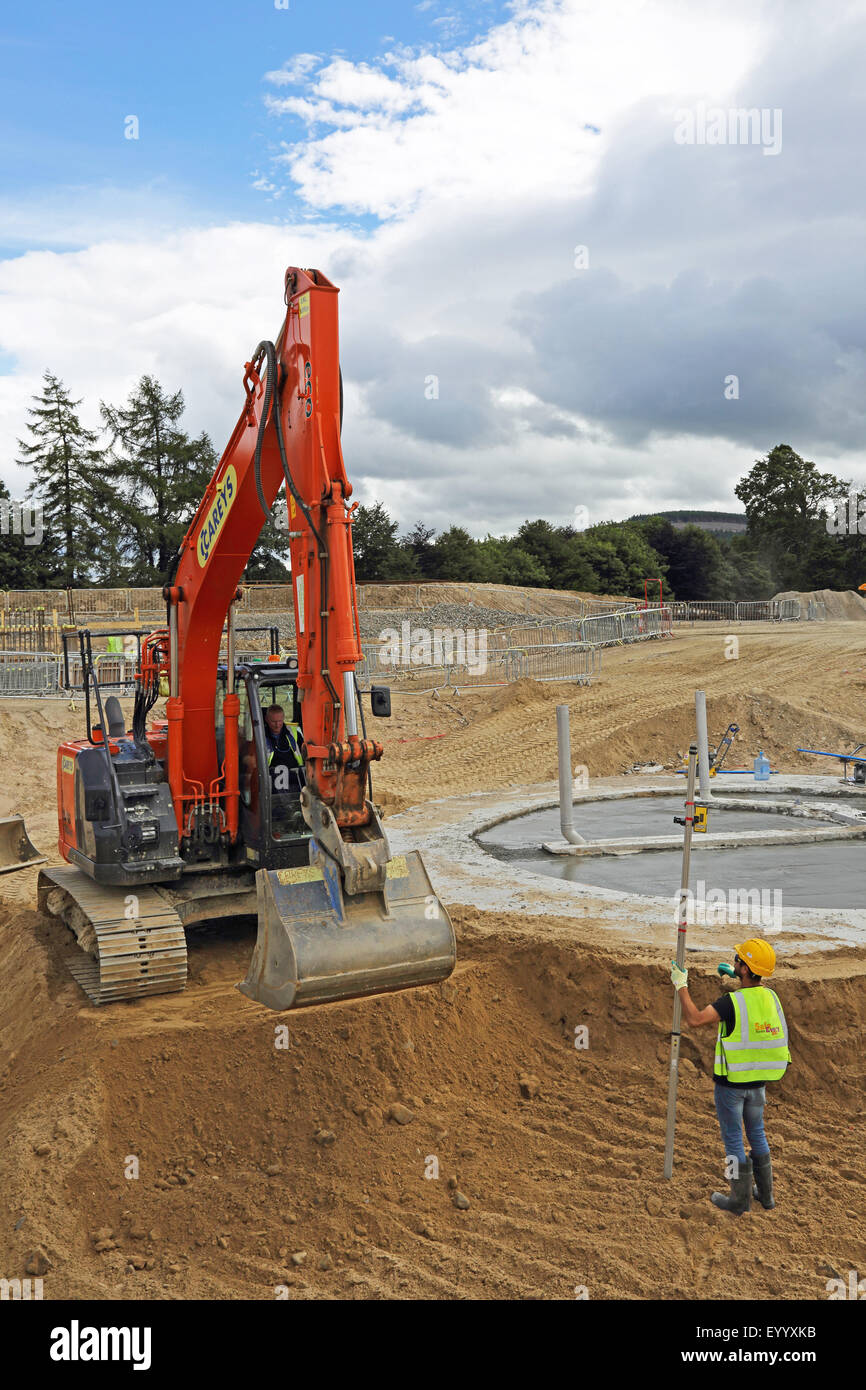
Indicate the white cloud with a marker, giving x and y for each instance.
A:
(559, 387)
(505, 117)
(295, 70)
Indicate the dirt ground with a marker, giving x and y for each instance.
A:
(265, 1167)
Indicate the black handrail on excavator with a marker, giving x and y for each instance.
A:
(88, 674)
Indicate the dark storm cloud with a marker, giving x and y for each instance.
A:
(705, 262)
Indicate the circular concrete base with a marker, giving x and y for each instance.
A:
(463, 873)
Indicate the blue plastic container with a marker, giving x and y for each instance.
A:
(762, 767)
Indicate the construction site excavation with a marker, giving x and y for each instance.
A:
(432, 1059)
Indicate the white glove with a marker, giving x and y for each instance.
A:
(679, 978)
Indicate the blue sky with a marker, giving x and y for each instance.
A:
(193, 74)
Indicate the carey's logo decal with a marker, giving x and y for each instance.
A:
(219, 510)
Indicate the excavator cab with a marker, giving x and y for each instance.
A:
(273, 830)
(272, 827)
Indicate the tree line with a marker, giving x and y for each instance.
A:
(116, 505)
(786, 545)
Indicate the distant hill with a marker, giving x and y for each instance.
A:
(720, 523)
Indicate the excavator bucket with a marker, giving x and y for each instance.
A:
(16, 849)
(316, 943)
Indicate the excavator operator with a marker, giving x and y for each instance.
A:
(286, 752)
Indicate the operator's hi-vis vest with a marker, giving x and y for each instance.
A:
(295, 736)
(757, 1048)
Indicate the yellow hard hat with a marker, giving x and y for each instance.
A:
(758, 955)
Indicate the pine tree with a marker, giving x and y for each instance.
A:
(65, 460)
(157, 476)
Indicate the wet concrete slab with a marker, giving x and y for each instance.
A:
(463, 872)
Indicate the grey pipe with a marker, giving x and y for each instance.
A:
(566, 809)
(703, 744)
(173, 655)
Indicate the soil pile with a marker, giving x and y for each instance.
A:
(507, 598)
(841, 606)
(441, 1143)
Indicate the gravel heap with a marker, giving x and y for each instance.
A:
(375, 621)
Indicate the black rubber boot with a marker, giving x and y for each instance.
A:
(740, 1199)
(763, 1188)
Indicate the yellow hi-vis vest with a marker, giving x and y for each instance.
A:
(757, 1048)
(295, 736)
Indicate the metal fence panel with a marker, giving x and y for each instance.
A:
(755, 610)
(712, 610)
(415, 679)
(112, 669)
(598, 607)
(603, 630)
(726, 610)
(574, 661)
(540, 634)
(28, 673)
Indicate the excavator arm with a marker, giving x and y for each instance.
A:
(288, 434)
(357, 920)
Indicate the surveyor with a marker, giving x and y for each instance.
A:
(751, 1049)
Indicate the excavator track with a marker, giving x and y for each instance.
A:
(121, 957)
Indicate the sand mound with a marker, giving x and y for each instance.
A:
(507, 598)
(841, 605)
(263, 1166)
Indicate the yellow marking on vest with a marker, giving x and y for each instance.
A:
(307, 874)
(397, 867)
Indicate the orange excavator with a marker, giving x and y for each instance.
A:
(176, 823)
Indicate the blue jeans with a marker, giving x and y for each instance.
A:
(737, 1106)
